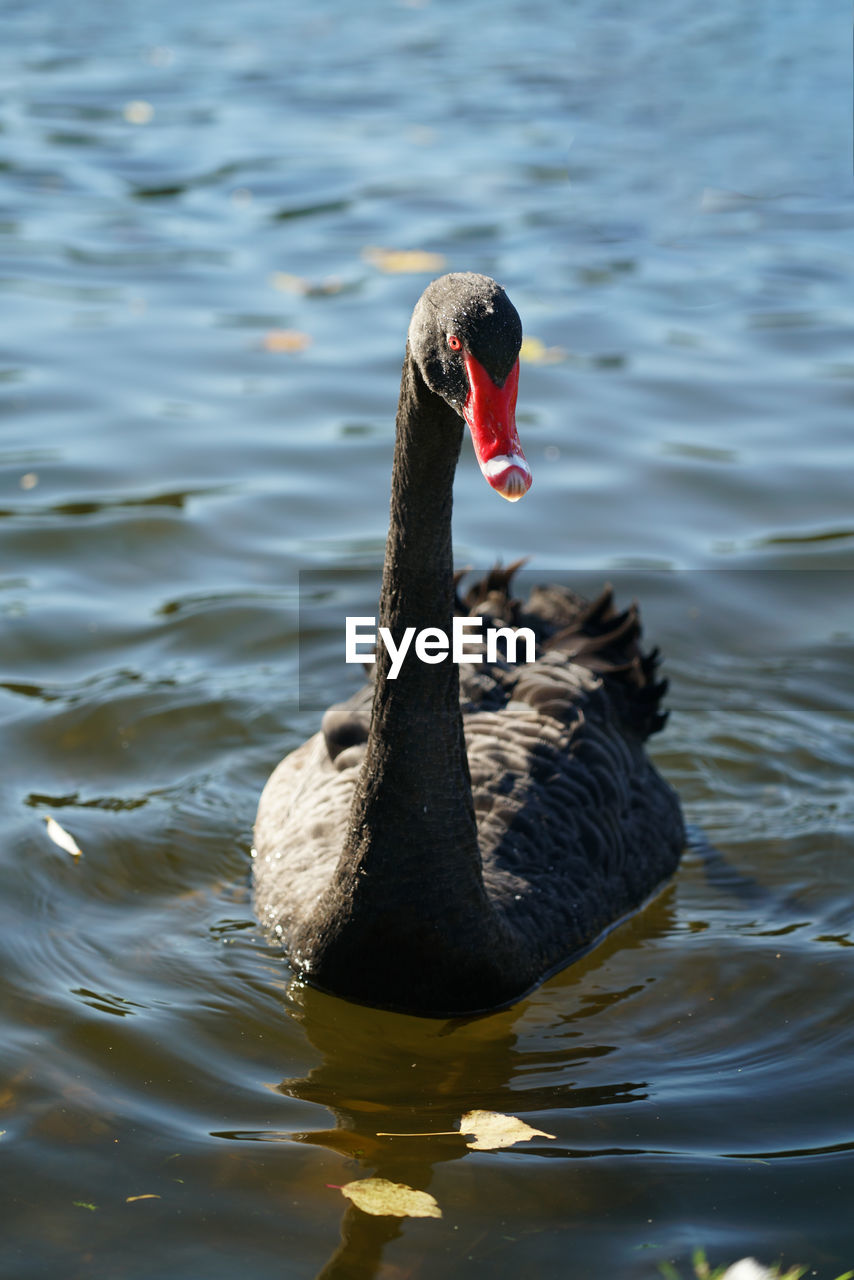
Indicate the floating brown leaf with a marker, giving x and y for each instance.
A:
(286, 340)
(390, 1199)
(61, 837)
(491, 1130)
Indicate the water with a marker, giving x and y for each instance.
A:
(199, 369)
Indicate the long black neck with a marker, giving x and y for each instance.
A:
(412, 815)
(406, 921)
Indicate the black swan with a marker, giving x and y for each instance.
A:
(458, 833)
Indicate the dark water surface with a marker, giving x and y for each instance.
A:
(199, 366)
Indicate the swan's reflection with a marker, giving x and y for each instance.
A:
(382, 1074)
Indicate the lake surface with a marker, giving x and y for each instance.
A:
(202, 328)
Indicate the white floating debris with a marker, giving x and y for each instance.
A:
(748, 1269)
(61, 837)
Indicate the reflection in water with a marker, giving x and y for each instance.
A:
(359, 1255)
(382, 1074)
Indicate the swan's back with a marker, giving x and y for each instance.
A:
(576, 827)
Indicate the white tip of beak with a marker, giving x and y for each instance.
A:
(509, 475)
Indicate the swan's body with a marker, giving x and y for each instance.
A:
(444, 845)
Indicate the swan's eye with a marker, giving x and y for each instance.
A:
(454, 342)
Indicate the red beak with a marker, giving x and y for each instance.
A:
(490, 411)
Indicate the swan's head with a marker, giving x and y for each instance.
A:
(465, 337)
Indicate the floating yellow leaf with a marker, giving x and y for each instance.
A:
(149, 1195)
(403, 261)
(286, 340)
(390, 1199)
(535, 351)
(286, 283)
(61, 837)
(492, 1130)
(138, 112)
